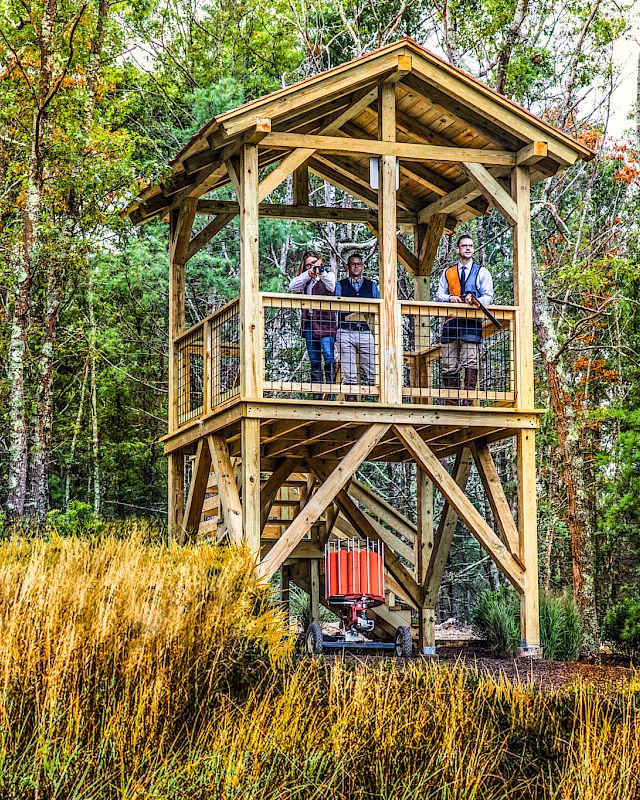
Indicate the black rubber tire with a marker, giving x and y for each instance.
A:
(403, 642)
(314, 640)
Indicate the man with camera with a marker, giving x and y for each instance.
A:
(318, 328)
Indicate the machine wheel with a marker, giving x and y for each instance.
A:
(404, 643)
(314, 639)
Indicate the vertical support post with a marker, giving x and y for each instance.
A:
(251, 349)
(314, 564)
(285, 586)
(175, 497)
(181, 223)
(301, 186)
(250, 473)
(423, 553)
(390, 336)
(526, 466)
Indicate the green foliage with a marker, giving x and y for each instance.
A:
(560, 627)
(622, 625)
(497, 618)
(77, 520)
(300, 608)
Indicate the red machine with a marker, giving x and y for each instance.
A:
(354, 583)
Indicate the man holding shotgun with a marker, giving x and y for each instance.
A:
(464, 282)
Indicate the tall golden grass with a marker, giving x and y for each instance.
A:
(133, 670)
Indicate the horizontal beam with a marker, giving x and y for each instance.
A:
(403, 150)
(308, 213)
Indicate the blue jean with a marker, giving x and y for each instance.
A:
(319, 349)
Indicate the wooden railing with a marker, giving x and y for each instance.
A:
(208, 362)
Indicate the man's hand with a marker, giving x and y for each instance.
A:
(469, 298)
(455, 298)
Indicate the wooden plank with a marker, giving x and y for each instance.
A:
(444, 534)
(233, 169)
(250, 482)
(356, 188)
(429, 245)
(490, 187)
(522, 287)
(406, 151)
(271, 487)
(528, 536)
(175, 497)
(531, 154)
(465, 509)
(230, 505)
(300, 186)
(321, 499)
(450, 202)
(303, 212)
(197, 489)
(495, 495)
(314, 594)
(389, 538)
(390, 320)
(423, 543)
(251, 341)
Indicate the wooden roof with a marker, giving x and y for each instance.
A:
(436, 104)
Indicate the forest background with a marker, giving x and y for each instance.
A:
(95, 97)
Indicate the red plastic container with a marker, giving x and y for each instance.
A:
(354, 568)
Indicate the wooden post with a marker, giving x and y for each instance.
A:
(181, 223)
(301, 186)
(314, 564)
(423, 552)
(527, 506)
(251, 346)
(390, 336)
(285, 587)
(250, 471)
(175, 497)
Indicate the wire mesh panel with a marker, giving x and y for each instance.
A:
(455, 355)
(190, 374)
(225, 353)
(321, 349)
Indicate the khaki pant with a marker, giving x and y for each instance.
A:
(458, 354)
(350, 345)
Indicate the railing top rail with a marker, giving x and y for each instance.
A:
(455, 306)
(327, 298)
(211, 317)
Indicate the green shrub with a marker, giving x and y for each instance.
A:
(560, 627)
(497, 618)
(77, 520)
(622, 625)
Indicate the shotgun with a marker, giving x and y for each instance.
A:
(475, 302)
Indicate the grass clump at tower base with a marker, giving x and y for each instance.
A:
(497, 618)
(132, 670)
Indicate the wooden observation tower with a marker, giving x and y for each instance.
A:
(254, 455)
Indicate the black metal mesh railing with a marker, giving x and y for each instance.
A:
(454, 355)
(321, 349)
(189, 351)
(225, 353)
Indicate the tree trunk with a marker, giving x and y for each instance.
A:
(573, 469)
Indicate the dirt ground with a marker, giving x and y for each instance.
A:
(544, 674)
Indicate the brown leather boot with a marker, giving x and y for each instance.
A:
(450, 380)
(470, 383)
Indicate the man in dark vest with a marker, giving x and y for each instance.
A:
(354, 337)
(461, 337)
